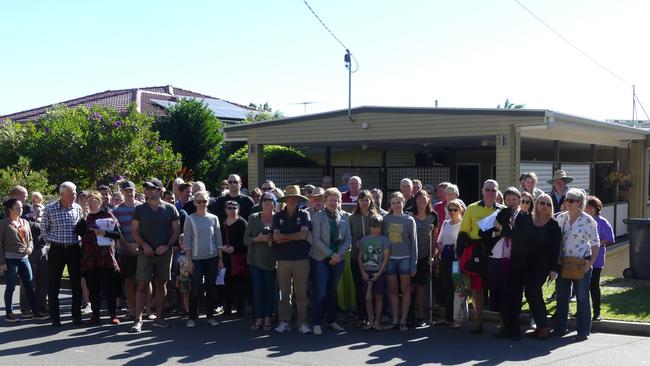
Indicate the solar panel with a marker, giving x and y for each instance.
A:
(220, 108)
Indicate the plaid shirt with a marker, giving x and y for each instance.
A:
(59, 223)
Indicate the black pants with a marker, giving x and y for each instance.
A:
(203, 278)
(38, 262)
(534, 283)
(447, 289)
(595, 290)
(98, 280)
(511, 311)
(359, 296)
(60, 257)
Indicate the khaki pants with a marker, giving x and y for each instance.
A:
(298, 271)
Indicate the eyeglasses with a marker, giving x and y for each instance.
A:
(544, 203)
(452, 209)
(233, 182)
(526, 202)
(231, 207)
(200, 202)
(491, 190)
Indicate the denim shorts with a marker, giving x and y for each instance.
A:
(399, 266)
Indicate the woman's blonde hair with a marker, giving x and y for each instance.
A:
(537, 207)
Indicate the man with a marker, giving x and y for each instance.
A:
(184, 195)
(345, 178)
(560, 188)
(354, 183)
(234, 194)
(316, 202)
(155, 227)
(106, 197)
(530, 185)
(58, 228)
(291, 228)
(441, 207)
(20, 193)
(175, 184)
(417, 186)
(406, 187)
(470, 249)
(267, 186)
(328, 182)
(127, 249)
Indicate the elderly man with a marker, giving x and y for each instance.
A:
(20, 193)
(558, 193)
(234, 194)
(406, 187)
(354, 183)
(58, 228)
(316, 201)
(417, 186)
(470, 249)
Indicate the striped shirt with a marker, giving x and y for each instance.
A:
(124, 216)
(58, 223)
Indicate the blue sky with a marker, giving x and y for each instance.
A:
(463, 53)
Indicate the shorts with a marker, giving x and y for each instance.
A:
(399, 266)
(128, 265)
(477, 282)
(422, 273)
(378, 285)
(160, 266)
(184, 283)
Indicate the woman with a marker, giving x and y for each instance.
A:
(606, 234)
(527, 200)
(261, 261)
(580, 246)
(237, 281)
(360, 227)
(16, 245)
(400, 229)
(536, 242)
(98, 263)
(446, 245)
(331, 239)
(426, 226)
(202, 243)
(377, 196)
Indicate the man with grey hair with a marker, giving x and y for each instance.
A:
(354, 185)
(59, 223)
(20, 193)
(406, 187)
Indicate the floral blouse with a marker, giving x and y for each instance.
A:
(577, 239)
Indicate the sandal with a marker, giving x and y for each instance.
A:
(377, 327)
(390, 326)
(367, 326)
(403, 327)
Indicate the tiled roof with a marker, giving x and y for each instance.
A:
(120, 100)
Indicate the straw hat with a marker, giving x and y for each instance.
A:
(317, 191)
(292, 191)
(560, 174)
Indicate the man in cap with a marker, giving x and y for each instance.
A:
(558, 193)
(291, 228)
(155, 227)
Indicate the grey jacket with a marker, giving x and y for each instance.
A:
(320, 238)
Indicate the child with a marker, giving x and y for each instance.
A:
(374, 250)
(37, 206)
(183, 281)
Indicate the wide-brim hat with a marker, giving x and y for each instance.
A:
(560, 174)
(292, 191)
(317, 191)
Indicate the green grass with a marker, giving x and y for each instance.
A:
(622, 299)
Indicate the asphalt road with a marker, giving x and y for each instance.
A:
(231, 343)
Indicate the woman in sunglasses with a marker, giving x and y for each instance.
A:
(536, 242)
(527, 202)
(237, 281)
(446, 244)
(202, 243)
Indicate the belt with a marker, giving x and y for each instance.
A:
(64, 245)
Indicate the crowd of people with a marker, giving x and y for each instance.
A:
(309, 252)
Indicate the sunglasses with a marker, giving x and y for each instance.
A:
(232, 208)
(452, 209)
(544, 203)
(233, 182)
(491, 190)
(200, 202)
(526, 202)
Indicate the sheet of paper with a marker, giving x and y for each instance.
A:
(487, 222)
(106, 225)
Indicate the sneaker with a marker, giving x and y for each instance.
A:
(304, 329)
(213, 321)
(86, 309)
(137, 327)
(191, 323)
(282, 327)
(219, 310)
(573, 298)
(160, 323)
(41, 316)
(11, 318)
(152, 316)
(596, 318)
(318, 330)
(115, 320)
(26, 315)
(336, 327)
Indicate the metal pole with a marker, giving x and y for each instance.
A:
(348, 61)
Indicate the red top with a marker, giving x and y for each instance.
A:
(93, 255)
(439, 208)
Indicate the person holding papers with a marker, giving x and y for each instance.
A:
(98, 232)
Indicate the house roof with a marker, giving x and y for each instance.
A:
(121, 99)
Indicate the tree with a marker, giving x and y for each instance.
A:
(509, 105)
(193, 131)
(91, 146)
(22, 174)
(264, 113)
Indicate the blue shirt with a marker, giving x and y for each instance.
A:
(295, 249)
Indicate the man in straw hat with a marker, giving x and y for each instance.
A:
(558, 193)
(291, 228)
(315, 203)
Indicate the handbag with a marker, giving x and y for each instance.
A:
(238, 266)
(573, 268)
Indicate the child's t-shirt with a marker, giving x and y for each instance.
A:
(372, 251)
(183, 267)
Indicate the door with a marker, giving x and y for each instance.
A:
(468, 178)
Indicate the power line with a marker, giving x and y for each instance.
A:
(643, 109)
(325, 26)
(572, 45)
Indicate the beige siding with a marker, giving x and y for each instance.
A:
(638, 195)
(508, 157)
(380, 126)
(255, 165)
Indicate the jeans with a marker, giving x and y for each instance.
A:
(16, 267)
(59, 257)
(265, 291)
(208, 269)
(584, 310)
(325, 279)
(98, 280)
(38, 262)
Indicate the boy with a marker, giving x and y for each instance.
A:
(374, 250)
(183, 280)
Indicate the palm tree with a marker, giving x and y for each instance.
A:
(509, 105)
